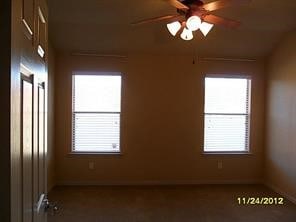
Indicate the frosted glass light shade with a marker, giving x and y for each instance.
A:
(174, 27)
(193, 23)
(205, 28)
(186, 34)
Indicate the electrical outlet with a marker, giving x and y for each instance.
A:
(220, 165)
(91, 165)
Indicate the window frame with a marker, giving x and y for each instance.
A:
(95, 73)
(248, 151)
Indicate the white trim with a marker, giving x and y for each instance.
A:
(281, 192)
(77, 153)
(96, 73)
(246, 152)
(158, 182)
(228, 76)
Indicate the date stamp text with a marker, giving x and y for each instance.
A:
(260, 200)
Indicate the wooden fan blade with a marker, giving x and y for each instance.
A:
(155, 19)
(212, 6)
(217, 20)
(177, 4)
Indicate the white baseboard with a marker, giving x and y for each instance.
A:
(281, 192)
(156, 182)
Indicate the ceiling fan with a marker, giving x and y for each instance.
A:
(194, 14)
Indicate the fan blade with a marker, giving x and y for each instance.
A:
(212, 6)
(179, 5)
(217, 20)
(155, 19)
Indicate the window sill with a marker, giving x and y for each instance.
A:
(228, 153)
(95, 153)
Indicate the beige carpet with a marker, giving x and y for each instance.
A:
(201, 203)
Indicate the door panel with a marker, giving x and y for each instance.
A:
(42, 34)
(41, 151)
(41, 145)
(27, 150)
(28, 17)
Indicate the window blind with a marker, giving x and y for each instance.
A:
(227, 114)
(96, 113)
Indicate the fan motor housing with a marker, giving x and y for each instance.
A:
(195, 8)
(192, 3)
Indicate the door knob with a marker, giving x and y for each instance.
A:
(51, 207)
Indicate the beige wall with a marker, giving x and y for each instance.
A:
(281, 118)
(162, 130)
(51, 116)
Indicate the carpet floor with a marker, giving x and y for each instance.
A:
(199, 203)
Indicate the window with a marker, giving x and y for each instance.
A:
(96, 113)
(226, 114)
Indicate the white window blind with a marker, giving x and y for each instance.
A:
(96, 113)
(227, 114)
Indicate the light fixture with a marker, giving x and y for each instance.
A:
(193, 23)
(174, 27)
(186, 34)
(205, 28)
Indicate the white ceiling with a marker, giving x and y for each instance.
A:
(103, 26)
